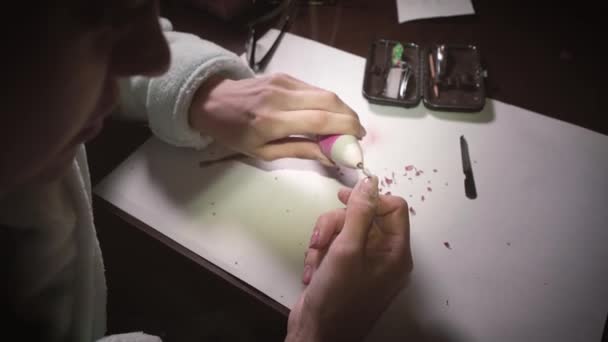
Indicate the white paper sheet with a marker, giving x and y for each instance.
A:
(408, 10)
(528, 257)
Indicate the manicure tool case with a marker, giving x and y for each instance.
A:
(445, 77)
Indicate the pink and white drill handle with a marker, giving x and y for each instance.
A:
(343, 150)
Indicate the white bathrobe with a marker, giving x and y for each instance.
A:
(56, 274)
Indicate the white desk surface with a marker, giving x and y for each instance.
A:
(528, 258)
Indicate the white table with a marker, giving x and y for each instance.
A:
(528, 258)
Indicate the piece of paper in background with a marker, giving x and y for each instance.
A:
(408, 10)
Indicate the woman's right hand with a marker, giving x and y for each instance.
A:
(358, 261)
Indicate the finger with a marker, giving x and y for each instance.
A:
(288, 82)
(386, 203)
(318, 99)
(312, 261)
(292, 94)
(394, 215)
(327, 227)
(292, 148)
(395, 223)
(318, 122)
(360, 211)
(344, 195)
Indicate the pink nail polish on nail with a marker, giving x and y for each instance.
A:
(370, 186)
(307, 274)
(314, 239)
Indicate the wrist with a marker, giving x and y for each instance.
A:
(202, 102)
(302, 335)
(301, 325)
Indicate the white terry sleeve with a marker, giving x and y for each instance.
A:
(165, 100)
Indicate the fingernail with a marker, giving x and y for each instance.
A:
(326, 161)
(307, 274)
(314, 239)
(369, 186)
(363, 132)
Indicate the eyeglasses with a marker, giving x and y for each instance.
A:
(286, 10)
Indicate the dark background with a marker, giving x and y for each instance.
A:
(540, 55)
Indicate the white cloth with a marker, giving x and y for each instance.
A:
(166, 100)
(59, 279)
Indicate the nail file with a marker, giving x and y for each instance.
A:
(470, 189)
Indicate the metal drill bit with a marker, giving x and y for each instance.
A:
(365, 170)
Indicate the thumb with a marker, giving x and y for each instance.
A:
(360, 210)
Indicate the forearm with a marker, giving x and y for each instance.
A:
(165, 101)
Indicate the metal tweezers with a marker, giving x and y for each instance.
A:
(406, 74)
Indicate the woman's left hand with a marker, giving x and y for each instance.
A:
(271, 117)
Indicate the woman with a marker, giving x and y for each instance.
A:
(70, 64)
